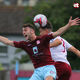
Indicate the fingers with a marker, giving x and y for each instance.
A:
(78, 23)
(70, 18)
(77, 18)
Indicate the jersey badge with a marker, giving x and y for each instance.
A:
(38, 41)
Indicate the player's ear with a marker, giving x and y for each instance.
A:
(32, 31)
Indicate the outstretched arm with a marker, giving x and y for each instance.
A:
(71, 22)
(74, 50)
(6, 41)
(71, 48)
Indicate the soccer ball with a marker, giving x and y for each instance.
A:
(40, 20)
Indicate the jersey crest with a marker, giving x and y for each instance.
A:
(35, 50)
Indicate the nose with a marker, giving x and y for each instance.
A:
(23, 33)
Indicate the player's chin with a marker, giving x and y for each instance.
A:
(26, 38)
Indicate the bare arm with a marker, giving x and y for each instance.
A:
(6, 41)
(55, 43)
(74, 50)
(71, 22)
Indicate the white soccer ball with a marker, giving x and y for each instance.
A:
(40, 20)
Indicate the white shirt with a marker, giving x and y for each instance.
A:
(59, 53)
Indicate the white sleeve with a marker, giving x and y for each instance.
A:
(68, 45)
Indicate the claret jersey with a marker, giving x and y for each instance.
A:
(38, 50)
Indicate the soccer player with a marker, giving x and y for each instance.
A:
(38, 49)
(59, 47)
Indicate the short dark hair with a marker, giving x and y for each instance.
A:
(28, 25)
(48, 26)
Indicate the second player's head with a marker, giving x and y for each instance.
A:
(46, 29)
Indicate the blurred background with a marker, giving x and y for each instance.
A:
(13, 13)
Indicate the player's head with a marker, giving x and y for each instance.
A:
(46, 29)
(28, 30)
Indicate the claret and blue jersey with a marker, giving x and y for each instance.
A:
(38, 50)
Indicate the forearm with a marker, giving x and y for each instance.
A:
(6, 41)
(74, 50)
(77, 53)
(61, 30)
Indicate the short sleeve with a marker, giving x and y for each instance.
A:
(68, 45)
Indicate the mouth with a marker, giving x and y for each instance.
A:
(25, 35)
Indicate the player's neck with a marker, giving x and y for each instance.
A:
(33, 37)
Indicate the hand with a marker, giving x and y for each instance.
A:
(74, 22)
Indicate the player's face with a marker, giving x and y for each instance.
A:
(43, 31)
(26, 32)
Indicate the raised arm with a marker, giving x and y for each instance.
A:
(6, 41)
(71, 22)
(74, 50)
